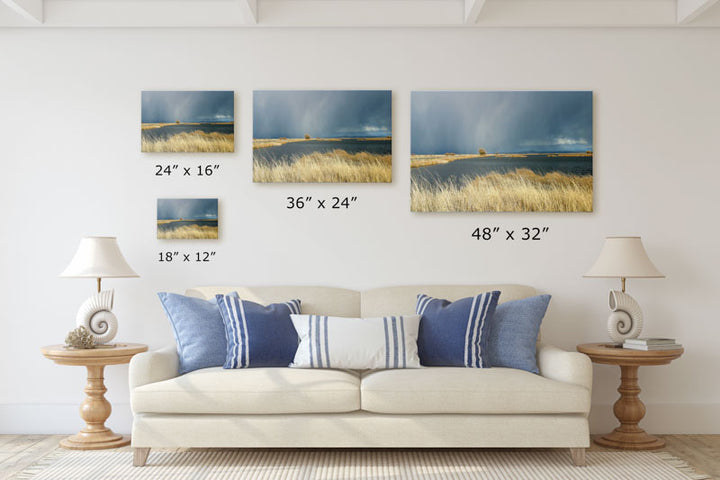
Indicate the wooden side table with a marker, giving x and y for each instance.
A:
(629, 410)
(95, 409)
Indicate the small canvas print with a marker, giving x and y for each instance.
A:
(322, 136)
(514, 151)
(187, 218)
(187, 121)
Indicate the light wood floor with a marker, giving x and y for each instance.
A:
(20, 451)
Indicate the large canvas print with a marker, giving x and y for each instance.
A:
(514, 151)
(187, 218)
(187, 121)
(322, 136)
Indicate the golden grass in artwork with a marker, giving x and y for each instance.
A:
(336, 166)
(520, 191)
(428, 160)
(197, 141)
(187, 232)
(276, 142)
(150, 126)
(434, 159)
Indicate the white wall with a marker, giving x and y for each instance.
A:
(70, 165)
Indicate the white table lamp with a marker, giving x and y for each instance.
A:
(623, 258)
(98, 257)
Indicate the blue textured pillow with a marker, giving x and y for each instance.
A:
(514, 332)
(258, 336)
(454, 334)
(199, 331)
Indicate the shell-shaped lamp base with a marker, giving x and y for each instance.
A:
(626, 319)
(96, 315)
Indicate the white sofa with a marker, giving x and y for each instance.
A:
(435, 407)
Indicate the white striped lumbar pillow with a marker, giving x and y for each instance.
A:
(356, 343)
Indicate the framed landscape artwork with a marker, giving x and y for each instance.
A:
(322, 136)
(504, 151)
(187, 121)
(187, 218)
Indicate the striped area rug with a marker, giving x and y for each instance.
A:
(357, 464)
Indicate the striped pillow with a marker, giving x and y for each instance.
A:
(454, 334)
(356, 343)
(257, 335)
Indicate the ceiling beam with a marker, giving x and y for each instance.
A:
(472, 10)
(29, 9)
(250, 10)
(689, 10)
(360, 13)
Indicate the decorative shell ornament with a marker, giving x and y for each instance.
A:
(95, 314)
(80, 338)
(626, 319)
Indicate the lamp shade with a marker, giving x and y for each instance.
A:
(623, 257)
(98, 257)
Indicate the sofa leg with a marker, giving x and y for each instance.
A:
(578, 456)
(140, 456)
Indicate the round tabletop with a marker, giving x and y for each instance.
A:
(612, 354)
(113, 354)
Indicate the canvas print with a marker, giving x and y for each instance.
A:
(186, 121)
(187, 218)
(483, 151)
(322, 136)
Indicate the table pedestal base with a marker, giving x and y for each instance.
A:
(95, 409)
(630, 441)
(83, 441)
(629, 410)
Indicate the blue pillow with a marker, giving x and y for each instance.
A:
(258, 336)
(454, 334)
(514, 332)
(199, 331)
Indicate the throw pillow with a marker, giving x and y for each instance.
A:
(356, 343)
(514, 332)
(257, 335)
(454, 334)
(198, 329)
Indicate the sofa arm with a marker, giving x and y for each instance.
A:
(563, 366)
(151, 367)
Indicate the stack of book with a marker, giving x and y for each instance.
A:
(651, 344)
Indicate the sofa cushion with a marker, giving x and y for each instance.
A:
(469, 390)
(357, 343)
(251, 391)
(454, 334)
(198, 329)
(258, 335)
(513, 333)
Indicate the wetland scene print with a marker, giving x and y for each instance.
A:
(322, 136)
(187, 121)
(498, 151)
(187, 218)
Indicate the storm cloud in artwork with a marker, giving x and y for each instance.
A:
(322, 113)
(502, 122)
(188, 106)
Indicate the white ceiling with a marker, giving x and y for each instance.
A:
(359, 13)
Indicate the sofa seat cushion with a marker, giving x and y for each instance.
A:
(252, 391)
(469, 390)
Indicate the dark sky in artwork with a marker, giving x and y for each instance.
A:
(501, 122)
(188, 107)
(187, 208)
(322, 113)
